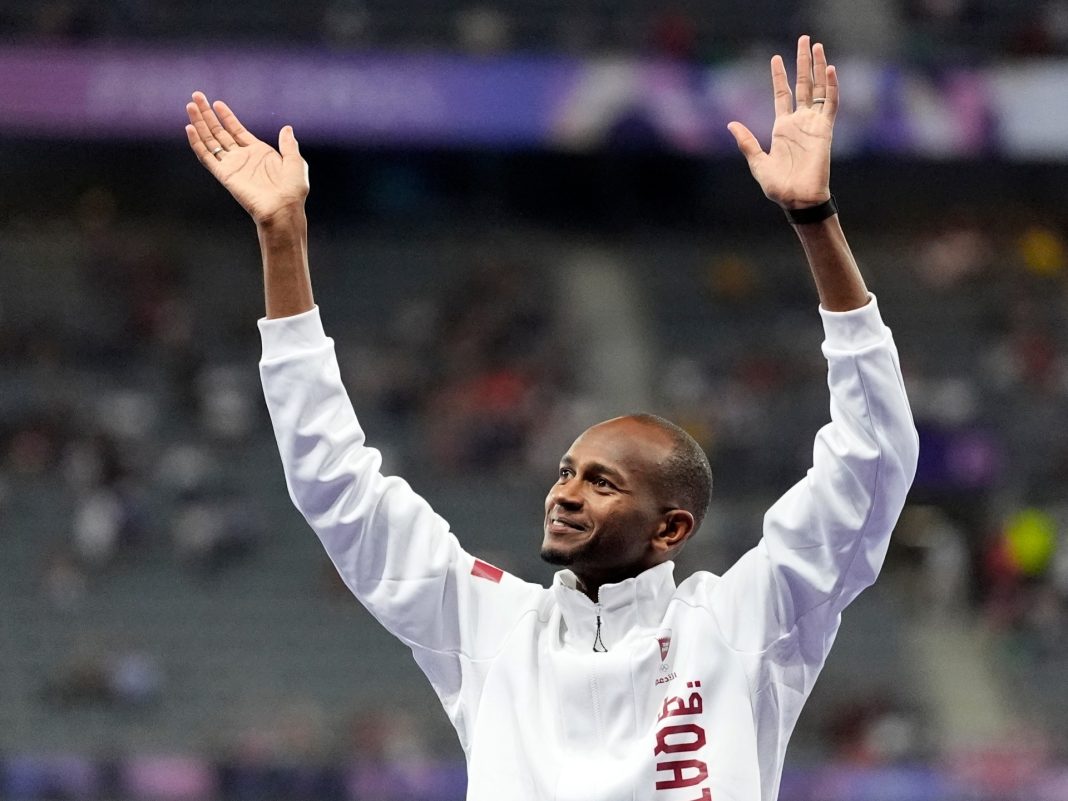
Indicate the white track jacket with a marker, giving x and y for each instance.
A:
(701, 683)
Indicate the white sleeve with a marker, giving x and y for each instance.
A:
(395, 554)
(824, 541)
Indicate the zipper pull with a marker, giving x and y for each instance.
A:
(598, 643)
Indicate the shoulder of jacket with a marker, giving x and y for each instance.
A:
(511, 595)
(695, 588)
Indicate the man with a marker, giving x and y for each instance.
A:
(614, 683)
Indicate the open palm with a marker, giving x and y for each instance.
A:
(796, 170)
(265, 181)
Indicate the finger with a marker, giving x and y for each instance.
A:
(804, 71)
(201, 150)
(747, 143)
(232, 124)
(784, 99)
(222, 136)
(819, 71)
(830, 108)
(212, 144)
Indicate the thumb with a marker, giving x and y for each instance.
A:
(747, 143)
(287, 142)
(293, 166)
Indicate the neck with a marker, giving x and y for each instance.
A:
(589, 583)
(588, 588)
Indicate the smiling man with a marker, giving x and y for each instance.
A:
(634, 473)
(616, 683)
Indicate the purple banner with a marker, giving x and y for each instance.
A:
(388, 99)
(509, 102)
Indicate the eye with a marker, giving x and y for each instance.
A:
(602, 483)
(565, 473)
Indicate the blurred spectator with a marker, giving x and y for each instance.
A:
(212, 531)
(945, 561)
(733, 279)
(492, 361)
(875, 731)
(102, 525)
(953, 256)
(1025, 597)
(128, 678)
(187, 467)
(90, 462)
(225, 402)
(1043, 251)
(390, 760)
(283, 756)
(106, 520)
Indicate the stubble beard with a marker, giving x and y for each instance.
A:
(568, 557)
(557, 557)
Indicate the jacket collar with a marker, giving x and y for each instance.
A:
(639, 602)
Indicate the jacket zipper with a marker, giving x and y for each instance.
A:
(598, 643)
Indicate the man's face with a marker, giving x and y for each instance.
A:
(603, 511)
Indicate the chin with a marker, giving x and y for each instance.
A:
(555, 556)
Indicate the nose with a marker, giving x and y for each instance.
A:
(565, 494)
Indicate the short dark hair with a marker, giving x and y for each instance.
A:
(686, 475)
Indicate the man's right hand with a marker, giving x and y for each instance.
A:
(268, 183)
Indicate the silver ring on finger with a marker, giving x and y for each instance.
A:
(819, 100)
(216, 151)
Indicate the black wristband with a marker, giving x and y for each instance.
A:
(812, 214)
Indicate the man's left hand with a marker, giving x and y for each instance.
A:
(796, 170)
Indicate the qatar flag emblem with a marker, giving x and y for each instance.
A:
(664, 638)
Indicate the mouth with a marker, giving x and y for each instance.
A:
(564, 525)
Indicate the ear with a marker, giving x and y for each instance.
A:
(675, 528)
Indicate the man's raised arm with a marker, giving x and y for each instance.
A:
(396, 555)
(825, 539)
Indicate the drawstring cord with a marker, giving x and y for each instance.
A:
(598, 643)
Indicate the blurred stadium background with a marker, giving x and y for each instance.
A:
(526, 216)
